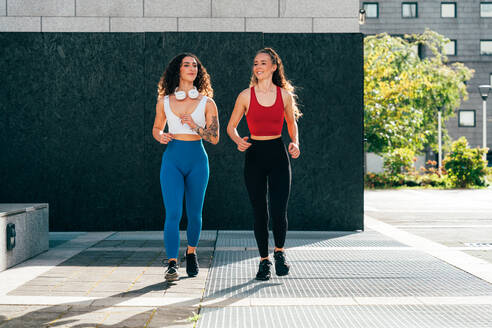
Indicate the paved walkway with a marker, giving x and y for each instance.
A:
(386, 276)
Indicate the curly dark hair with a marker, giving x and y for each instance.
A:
(278, 77)
(170, 78)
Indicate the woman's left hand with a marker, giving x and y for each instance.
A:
(186, 119)
(294, 150)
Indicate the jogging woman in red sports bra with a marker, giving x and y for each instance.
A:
(266, 103)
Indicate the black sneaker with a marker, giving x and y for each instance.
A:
(281, 265)
(172, 271)
(264, 270)
(191, 264)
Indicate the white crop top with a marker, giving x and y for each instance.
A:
(174, 122)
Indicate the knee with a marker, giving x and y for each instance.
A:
(280, 218)
(172, 219)
(261, 222)
(194, 220)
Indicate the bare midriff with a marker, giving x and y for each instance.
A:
(265, 137)
(187, 137)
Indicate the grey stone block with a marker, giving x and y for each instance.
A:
(41, 8)
(164, 24)
(113, 8)
(20, 24)
(318, 8)
(3, 7)
(279, 25)
(240, 8)
(177, 8)
(211, 24)
(335, 25)
(31, 225)
(75, 24)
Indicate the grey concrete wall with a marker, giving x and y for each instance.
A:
(468, 28)
(31, 225)
(375, 163)
(275, 16)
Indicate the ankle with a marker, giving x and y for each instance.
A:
(264, 258)
(279, 249)
(190, 250)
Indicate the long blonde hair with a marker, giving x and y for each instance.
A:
(278, 78)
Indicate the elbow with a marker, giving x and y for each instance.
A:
(231, 130)
(292, 126)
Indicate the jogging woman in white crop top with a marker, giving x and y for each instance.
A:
(185, 104)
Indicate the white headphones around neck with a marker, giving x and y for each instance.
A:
(180, 95)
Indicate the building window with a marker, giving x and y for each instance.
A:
(372, 9)
(448, 9)
(485, 9)
(486, 47)
(450, 48)
(409, 10)
(466, 118)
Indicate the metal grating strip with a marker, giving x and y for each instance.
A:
(310, 239)
(157, 235)
(342, 273)
(371, 316)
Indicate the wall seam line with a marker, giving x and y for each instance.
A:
(75, 8)
(6, 8)
(41, 23)
(211, 10)
(312, 24)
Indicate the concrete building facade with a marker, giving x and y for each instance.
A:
(269, 16)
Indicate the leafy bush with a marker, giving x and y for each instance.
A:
(489, 175)
(385, 180)
(434, 180)
(377, 180)
(431, 176)
(398, 161)
(465, 166)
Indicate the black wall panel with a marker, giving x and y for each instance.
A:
(327, 178)
(77, 111)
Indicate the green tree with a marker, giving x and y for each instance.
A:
(402, 91)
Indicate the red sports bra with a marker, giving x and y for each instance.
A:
(265, 120)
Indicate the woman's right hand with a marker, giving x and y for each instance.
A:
(243, 144)
(165, 137)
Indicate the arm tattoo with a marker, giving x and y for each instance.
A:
(210, 132)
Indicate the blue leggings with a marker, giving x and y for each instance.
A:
(184, 171)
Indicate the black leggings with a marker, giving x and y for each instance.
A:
(267, 164)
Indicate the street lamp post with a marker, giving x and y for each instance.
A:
(484, 93)
(362, 16)
(439, 136)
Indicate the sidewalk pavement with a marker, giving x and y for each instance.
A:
(390, 275)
